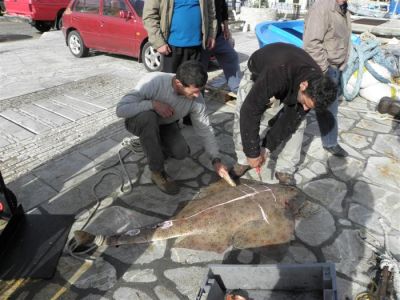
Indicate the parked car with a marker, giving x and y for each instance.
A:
(41, 14)
(113, 26)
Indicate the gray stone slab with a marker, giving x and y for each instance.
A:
(355, 140)
(61, 110)
(79, 104)
(188, 280)
(373, 126)
(102, 150)
(23, 188)
(163, 293)
(298, 254)
(349, 289)
(383, 171)
(350, 255)
(19, 132)
(183, 169)
(67, 171)
(139, 254)
(127, 293)
(25, 121)
(345, 168)
(315, 235)
(4, 142)
(142, 275)
(387, 144)
(101, 275)
(365, 217)
(49, 291)
(189, 256)
(44, 115)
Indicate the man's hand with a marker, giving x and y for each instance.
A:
(257, 162)
(221, 169)
(164, 49)
(163, 109)
(210, 43)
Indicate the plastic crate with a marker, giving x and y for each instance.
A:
(278, 281)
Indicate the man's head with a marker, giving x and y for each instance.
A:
(317, 93)
(190, 79)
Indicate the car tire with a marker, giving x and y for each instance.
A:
(76, 45)
(152, 60)
(42, 26)
(59, 21)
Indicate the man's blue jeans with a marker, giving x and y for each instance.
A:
(330, 138)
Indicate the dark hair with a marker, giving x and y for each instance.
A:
(322, 90)
(192, 72)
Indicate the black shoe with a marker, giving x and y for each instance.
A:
(337, 151)
(238, 171)
(285, 178)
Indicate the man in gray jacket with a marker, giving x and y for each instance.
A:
(327, 38)
(152, 110)
(178, 29)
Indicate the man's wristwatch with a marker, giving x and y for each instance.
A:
(215, 160)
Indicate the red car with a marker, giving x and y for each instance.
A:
(113, 26)
(42, 14)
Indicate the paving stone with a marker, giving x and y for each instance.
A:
(102, 150)
(50, 290)
(62, 110)
(373, 126)
(195, 143)
(44, 115)
(18, 132)
(350, 255)
(145, 178)
(125, 293)
(352, 152)
(363, 132)
(183, 169)
(389, 145)
(383, 171)
(368, 152)
(228, 127)
(355, 140)
(313, 235)
(204, 159)
(312, 129)
(138, 254)
(142, 275)
(225, 143)
(315, 149)
(101, 275)
(3, 142)
(345, 124)
(79, 104)
(365, 217)
(318, 168)
(163, 293)
(344, 222)
(206, 179)
(346, 168)
(298, 254)
(25, 121)
(23, 188)
(95, 297)
(348, 289)
(329, 191)
(189, 256)
(245, 256)
(188, 280)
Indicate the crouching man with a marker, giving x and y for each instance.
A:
(152, 110)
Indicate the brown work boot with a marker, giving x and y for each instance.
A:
(164, 183)
(285, 178)
(238, 171)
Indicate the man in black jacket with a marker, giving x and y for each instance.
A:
(296, 84)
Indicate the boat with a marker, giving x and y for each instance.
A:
(290, 32)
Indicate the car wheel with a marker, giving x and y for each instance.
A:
(42, 26)
(152, 60)
(76, 45)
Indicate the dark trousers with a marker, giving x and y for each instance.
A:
(179, 55)
(157, 140)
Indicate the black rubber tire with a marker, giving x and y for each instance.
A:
(42, 26)
(151, 59)
(76, 44)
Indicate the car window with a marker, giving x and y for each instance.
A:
(113, 7)
(87, 6)
(138, 6)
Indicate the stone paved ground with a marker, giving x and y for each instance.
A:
(58, 129)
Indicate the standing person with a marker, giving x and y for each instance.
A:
(289, 74)
(223, 50)
(178, 29)
(327, 38)
(152, 110)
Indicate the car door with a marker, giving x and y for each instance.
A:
(118, 23)
(86, 19)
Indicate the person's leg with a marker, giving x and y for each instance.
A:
(228, 59)
(172, 61)
(173, 142)
(145, 126)
(330, 138)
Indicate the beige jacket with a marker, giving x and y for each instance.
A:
(327, 34)
(157, 16)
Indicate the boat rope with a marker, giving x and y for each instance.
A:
(358, 61)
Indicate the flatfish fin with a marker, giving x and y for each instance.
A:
(205, 242)
(259, 233)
